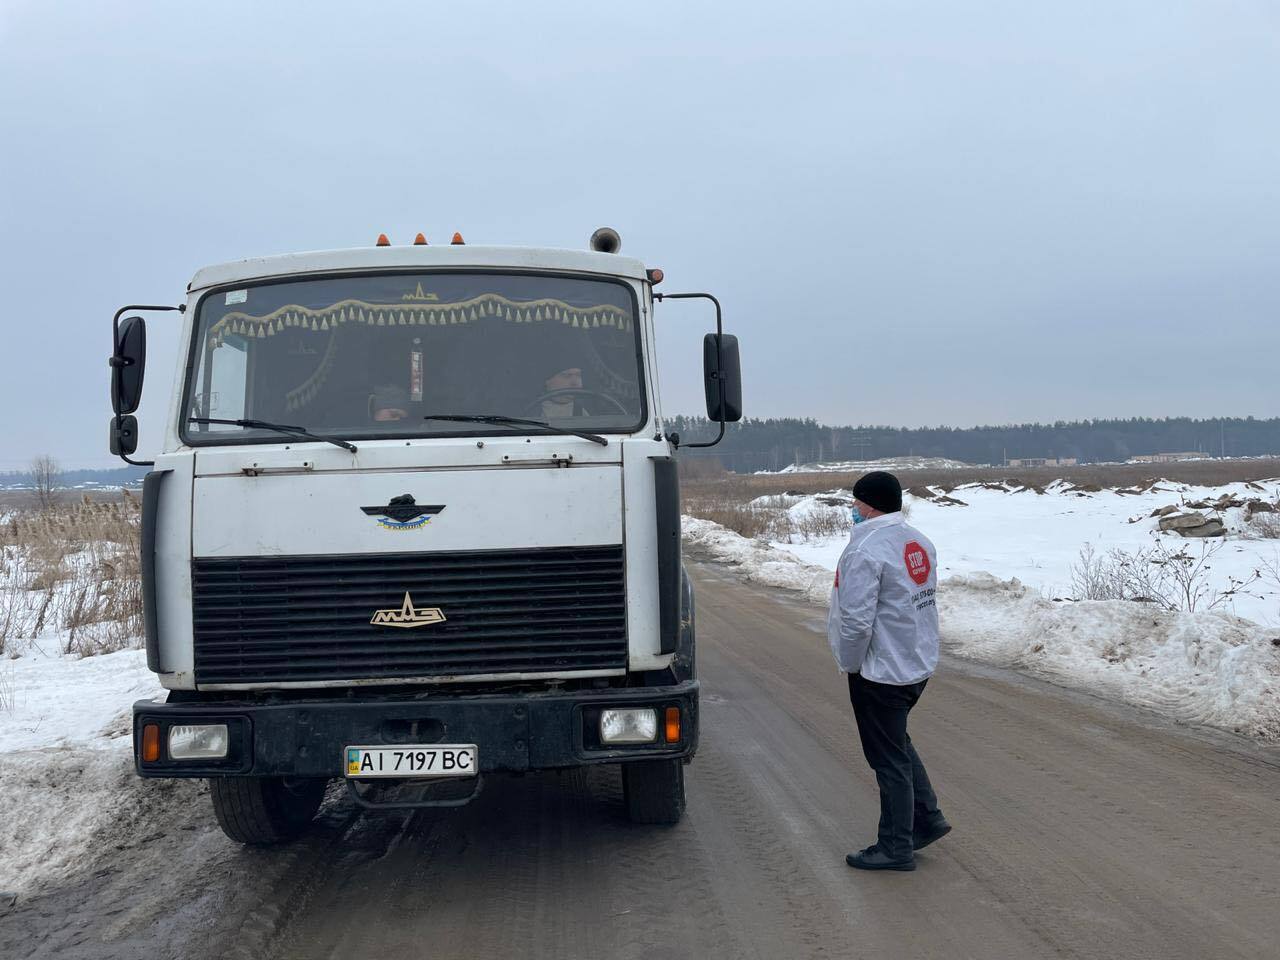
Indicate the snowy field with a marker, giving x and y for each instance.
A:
(1014, 532)
(1006, 558)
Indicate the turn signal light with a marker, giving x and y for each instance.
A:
(419, 241)
(673, 724)
(655, 276)
(457, 240)
(151, 743)
(383, 241)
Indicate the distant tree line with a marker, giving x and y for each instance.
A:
(45, 475)
(773, 444)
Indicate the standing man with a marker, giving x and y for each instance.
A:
(883, 629)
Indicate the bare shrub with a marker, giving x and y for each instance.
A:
(1263, 526)
(1095, 577)
(1173, 578)
(1269, 572)
(822, 523)
(1271, 569)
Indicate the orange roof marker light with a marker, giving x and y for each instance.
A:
(383, 241)
(419, 241)
(457, 240)
(656, 275)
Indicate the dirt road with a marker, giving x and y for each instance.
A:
(1082, 830)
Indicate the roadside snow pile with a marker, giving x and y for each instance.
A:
(1206, 668)
(66, 763)
(757, 561)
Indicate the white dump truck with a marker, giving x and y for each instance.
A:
(415, 521)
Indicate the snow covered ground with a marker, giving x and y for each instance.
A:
(1037, 537)
(66, 764)
(1005, 556)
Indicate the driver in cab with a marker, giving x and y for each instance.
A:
(559, 400)
(557, 404)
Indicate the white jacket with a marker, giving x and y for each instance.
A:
(883, 621)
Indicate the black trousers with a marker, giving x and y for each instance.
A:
(907, 800)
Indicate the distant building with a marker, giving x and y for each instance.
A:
(1166, 457)
(1043, 462)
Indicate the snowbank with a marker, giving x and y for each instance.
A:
(757, 561)
(66, 763)
(1206, 668)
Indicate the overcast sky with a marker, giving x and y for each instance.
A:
(914, 213)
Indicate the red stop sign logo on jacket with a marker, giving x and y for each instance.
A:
(917, 561)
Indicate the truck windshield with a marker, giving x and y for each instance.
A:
(373, 356)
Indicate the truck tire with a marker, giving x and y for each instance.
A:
(265, 810)
(654, 790)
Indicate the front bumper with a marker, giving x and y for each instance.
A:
(518, 731)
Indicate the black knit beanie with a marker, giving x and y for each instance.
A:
(879, 490)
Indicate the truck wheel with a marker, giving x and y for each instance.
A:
(264, 810)
(654, 790)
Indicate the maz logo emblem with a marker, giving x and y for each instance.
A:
(404, 513)
(408, 615)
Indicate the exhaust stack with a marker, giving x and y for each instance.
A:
(606, 240)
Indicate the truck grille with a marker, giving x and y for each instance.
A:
(280, 619)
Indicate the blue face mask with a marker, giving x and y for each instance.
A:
(857, 515)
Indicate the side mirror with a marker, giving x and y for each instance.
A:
(723, 375)
(127, 365)
(124, 435)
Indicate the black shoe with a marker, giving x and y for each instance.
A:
(873, 858)
(935, 831)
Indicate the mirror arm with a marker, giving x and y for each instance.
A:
(719, 358)
(118, 361)
(135, 463)
(115, 321)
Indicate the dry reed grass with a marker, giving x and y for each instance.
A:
(767, 518)
(72, 571)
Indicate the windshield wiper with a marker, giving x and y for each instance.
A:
(278, 428)
(542, 425)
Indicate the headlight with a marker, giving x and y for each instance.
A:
(198, 742)
(628, 726)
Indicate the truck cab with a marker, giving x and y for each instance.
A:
(415, 522)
